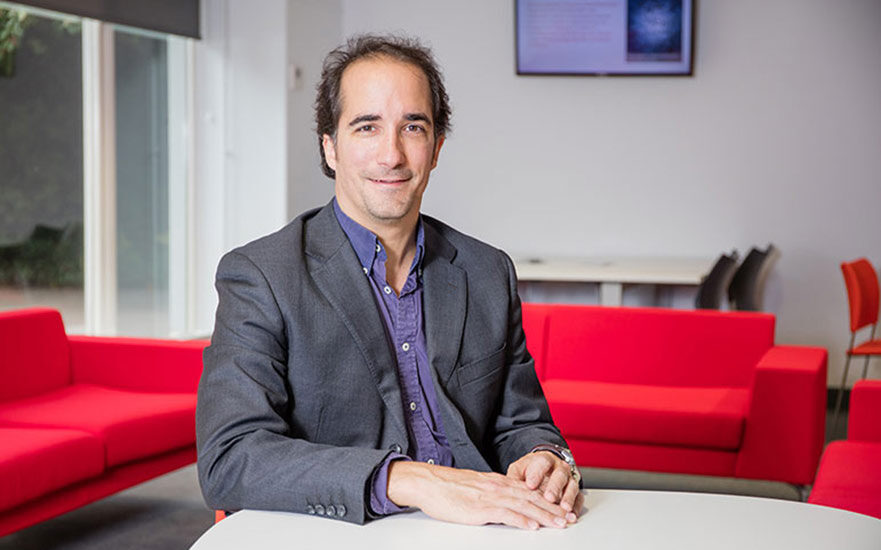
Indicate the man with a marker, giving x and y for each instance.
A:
(366, 358)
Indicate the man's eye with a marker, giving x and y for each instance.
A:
(415, 128)
(365, 128)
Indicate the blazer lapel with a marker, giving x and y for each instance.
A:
(337, 273)
(444, 300)
(444, 306)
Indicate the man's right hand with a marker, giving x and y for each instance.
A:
(469, 497)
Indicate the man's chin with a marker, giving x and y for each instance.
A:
(389, 214)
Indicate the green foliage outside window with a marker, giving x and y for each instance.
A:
(12, 25)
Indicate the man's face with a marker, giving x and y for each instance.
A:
(385, 146)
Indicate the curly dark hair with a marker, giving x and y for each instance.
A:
(401, 48)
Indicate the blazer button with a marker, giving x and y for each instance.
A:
(310, 509)
(331, 511)
(319, 509)
(396, 448)
(340, 510)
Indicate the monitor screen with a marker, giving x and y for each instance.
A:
(604, 37)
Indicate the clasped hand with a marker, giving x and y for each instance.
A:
(538, 491)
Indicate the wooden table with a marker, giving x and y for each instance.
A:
(613, 273)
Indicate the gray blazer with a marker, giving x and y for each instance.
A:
(299, 399)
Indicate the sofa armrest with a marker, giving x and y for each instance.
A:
(137, 363)
(864, 420)
(786, 421)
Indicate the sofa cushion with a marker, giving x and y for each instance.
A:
(711, 418)
(132, 425)
(656, 346)
(34, 356)
(37, 461)
(849, 477)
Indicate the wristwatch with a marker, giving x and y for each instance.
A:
(564, 454)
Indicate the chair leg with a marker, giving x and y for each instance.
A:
(840, 393)
(866, 364)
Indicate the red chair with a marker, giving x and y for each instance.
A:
(849, 476)
(862, 297)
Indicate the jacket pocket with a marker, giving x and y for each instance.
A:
(479, 369)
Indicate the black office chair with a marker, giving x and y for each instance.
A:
(747, 289)
(712, 289)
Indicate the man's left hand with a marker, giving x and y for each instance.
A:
(546, 471)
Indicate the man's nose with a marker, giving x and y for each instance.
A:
(391, 152)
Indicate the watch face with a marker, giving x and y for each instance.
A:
(567, 455)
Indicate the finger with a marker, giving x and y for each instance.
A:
(522, 494)
(538, 510)
(516, 470)
(507, 516)
(557, 482)
(579, 504)
(536, 471)
(568, 500)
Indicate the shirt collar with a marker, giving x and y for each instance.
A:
(367, 245)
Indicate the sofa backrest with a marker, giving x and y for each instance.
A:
(535, 325)
(655, 346)
(34, 355)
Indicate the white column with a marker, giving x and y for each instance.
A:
(99, 177)
(179, 184)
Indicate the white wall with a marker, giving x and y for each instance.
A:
(777, 137)
(315, 29)
(241, 136)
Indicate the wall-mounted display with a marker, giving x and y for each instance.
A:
(604, 37)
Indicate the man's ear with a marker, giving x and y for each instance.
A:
(437, 148)
(329, 151)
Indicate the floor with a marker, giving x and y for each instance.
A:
(168, 513)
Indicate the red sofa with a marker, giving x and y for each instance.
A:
(850, 471)
(697, 392)
(84, 417)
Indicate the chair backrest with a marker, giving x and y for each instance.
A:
(712, 289)
(655, 346)
(34, 353)
(747, 289)
(862, 292)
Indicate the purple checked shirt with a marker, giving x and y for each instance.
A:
(404, 327)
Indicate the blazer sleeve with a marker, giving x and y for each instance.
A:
(249, 454)
(524, 419)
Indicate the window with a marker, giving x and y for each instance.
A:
(41, 166)
(94, 171)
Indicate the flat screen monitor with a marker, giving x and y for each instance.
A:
(604, 37)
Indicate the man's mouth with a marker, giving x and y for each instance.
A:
(390, 180)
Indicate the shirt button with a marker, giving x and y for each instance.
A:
(405, 346)
(395, 448)
(331, 511)
(431, 461)
(378, 248)
(310, 509)
(319, 509)
(412, 405)
(364, 269)
(387, 290)
(340, 510)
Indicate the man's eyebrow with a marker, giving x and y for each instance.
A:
(413, 117)
(364, 118)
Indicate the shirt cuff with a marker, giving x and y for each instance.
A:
(380, 504)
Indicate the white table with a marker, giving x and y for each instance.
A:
(616, 519)
(613, 273)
